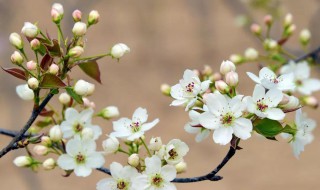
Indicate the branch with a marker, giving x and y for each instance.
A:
(21, 134)
(313, 54)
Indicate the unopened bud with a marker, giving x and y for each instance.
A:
(23, 161)
(87, 133)
(290, 30)
(287, 20)
(53, 69)
(110, 112)
(216, 76)
(268, 20)
(35, 44)
(293, 103)
(33, 83)
(84, 88)
(251, 54)
(236, 58)
(79, 29)
(16, 58)
(155, 144)
(30, 30)
(40, 150)
(88, 104)
(270, 44)
(134, 160)
(49, 164)
(93, 17)
(46, 141)
(76, 51)
(207, 71)
(227, 66)
(285, 99)
(311, 101)
(31, 65)
(305, 36)
(57, 12)
(55, 133)
(165, 89)
(110, 145)
(118, 50)
(77, 15)
(256, 29)
(64, 98)
(15, 40)
(181, 167)
(221, 86)
(232, 78)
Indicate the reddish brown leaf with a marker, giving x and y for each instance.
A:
(46, 62)
(46, 113)
(91, 68)
(16, 73)
(51, 81)
(54, 48)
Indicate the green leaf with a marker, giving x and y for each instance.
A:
(278, 57)
(75, 96)
(91, 68)
(89, 59)
(18, 73)
(44, 123)
(51, 81)
(268, 128)
(289, 129)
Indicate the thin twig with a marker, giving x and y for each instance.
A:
(313, 54)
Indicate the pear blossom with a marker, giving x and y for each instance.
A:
(304, 84)
(188, 89)
(81, 157)
(134, 128)
(194, 126)
(75, 122)
(224, 116)
(121, 178)
(24, 92)
(265, 104)
(269, 80)
(175, 150)
(303, 136)
(155, 177)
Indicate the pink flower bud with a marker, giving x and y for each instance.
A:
(79, 29)
(285, 99)
(77, 15)
(232, 78)
(311, 101)
(57, 12)
(93, 17)
(15, 40)
(35, 44)
(88, 104)
(221, 86)
(31, 65)
(268, 20)
(53, 69)
(76, 51)
(256, 29)
(216, 76)
(40, 150)
(33, 83)
(16, 58)
(227, 66)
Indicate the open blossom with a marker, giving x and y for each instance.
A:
(175, 150)
(134, 128)
(155, 177)
(24, 92)
(224, 117)
(269, 80)
(304, 84)
(194, 126)
(121, 178)
(75, 122)
(81, 157)
(265, 104)
(188, 89)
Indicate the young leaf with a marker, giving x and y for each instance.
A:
(75, 96)
(46, 62)
(20, 74)
(51, 81)
(44, 123)
(91, 69)
(268, 128)
(54, 48)
(46, 113)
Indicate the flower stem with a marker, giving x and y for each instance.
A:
(123, 151)
(145, 145)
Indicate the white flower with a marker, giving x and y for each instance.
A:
(30, 30)
(155, 177)
(135, 128)
(110, 145)
(175, 151)
(75, 122)
(303, 136)
(265, 104)
(121, 178)
(224, 116)
(304, 84)
(187, 90)
(194, 126)
(118, 50)
(81, 157)
(269, 80)
(24, 92)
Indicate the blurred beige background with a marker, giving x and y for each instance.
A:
(166, 37)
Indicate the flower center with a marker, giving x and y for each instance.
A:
(190, 87)
(227, 119)
(173, 154)
(157, 180)
(261, 105)
(135, 126)
(122, 185)
(80, 158)
(77, 128)
(298, 82)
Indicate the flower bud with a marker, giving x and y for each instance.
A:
(311, 101)
(55, 133)
(15, 40)
(181, 167)
(49, 164)
(34, 129)
(31, 65)
(16, 58)
(305, 36)
(251, 54)
(87, 133)
(110, 145)
(57, 12)
(134, 160)
(236, 58)
(79, 29)
(33, 83)
(155, 144)
(76, 51)
(30, 30)
(53, 69)
(232, 78)
(93, 17)
(109, 112)
(293, 103)
(24, 92)
(216, 76)
(268, 20)
(290, 30)
(227, 66)
(35, 44)
(221, 86)
(285, 99)
(77, 15)
(287, 20)
(64, 98)
(46, 141)
(256, 29)
(118, 50)
(88, 104)
(40, 150)
(207, 70)
(165, 89)
(83, 88)
(270, 44)
(23, 161)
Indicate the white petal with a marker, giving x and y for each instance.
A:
(216, 103)
(140, 115)
(288, 68)
(189, 129)
(96, 130)
(168, 172)
(108, 183)
(122, 124)
(148, 126)
(178, 102)
(266, 73)
(153, 165)
(309, 85)
(140, 182)
(115, 169)
(24, 92)
(275, 114)
(209, 121)
(258, 92)
(205, 85)
(302, 70)
(242, 128)
(286, 82)
(71, 114)
(194, 116)
(89, 145)
(82, 171)
(73, 147)
(66, 162)
(202, 135)
(273, 97)
(86, 116)
(223, 135)
(236, 106)
(135, 135)
(177, 92)
(95, 160)
(168, 186)
(120, 134)
(188, 75)
(254, 77)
